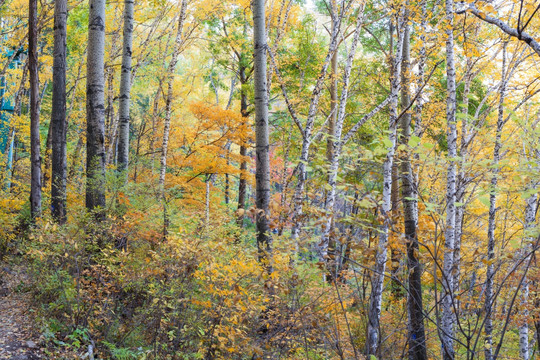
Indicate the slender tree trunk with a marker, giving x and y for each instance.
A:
(448, 316)
(75, 160)
(417, 336)
(207, 202)
(330, 152)
(58, 115)
(47, 154)
(307, 135)
(95, 108)
(242, 183)
(227, 184)
(155, 114)
(125, 88)
(333, 104)
(377, 282)
(35, 156)
(262, 145)
(111, 121)
(461, 182)
(169, 98)
(490, 271)
(530, 219)
(395, 252)
(335, 150)
(168, 113)
(284, 185)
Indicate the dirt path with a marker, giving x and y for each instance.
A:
(18, 338)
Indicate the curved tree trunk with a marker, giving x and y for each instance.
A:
(95, 108)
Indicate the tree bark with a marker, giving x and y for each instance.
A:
(242, 183)
(517, 33)
(417, 336)
(125, 88)
(461, 181)
(330, 143)
(169, 98)
(395, 252)
(35, 156)
(335, 150)
(377, 282)
(530, 219)
(262, 146)
(58, 115)
(95, 108)
(448, 316)
(490, 271)
(307, 130)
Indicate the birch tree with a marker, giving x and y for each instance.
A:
(334, 145)
(377, 282)
(95, 107)
(490, 271)
(448, 316)
(337, 142)
(306, 130)
(262, 145)
(529, 225)
(169, 98)
(125, 88)
(242, 183)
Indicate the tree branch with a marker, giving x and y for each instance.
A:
(523, 36)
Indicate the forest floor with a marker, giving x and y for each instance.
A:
(19, 339)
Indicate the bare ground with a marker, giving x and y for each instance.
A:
(19, 339)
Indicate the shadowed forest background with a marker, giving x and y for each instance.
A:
(279, 179)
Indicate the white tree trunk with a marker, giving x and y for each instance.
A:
(307, 134)
(95, 107)
(377, 282)
(262, 145)
(169, 98)
(335, 145)
(448, 316)
(125, 88)
(489, 299)
(530, 219)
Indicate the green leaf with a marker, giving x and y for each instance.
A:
(387, 143)
(414, 141)
(484, 200)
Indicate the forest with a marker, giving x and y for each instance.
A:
(269, 179)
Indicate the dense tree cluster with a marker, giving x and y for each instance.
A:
(330, 179)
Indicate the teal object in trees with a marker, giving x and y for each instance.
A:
(7, 106)
(7, 103)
